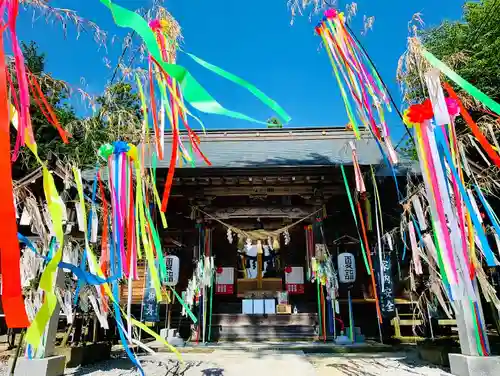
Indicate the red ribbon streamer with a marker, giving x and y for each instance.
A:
(12, 297)
(153, 109)
(367, 249)
(42, 102)
(473, 126)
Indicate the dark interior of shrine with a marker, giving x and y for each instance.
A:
(270, 199)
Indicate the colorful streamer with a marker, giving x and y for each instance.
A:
(192, 91)
(12, 298)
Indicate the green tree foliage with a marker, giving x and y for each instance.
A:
(56, 93)
(471, 47)
(116, 116)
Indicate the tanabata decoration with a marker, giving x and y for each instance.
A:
(457, 223)
(362, 91)
(18, 113)
(177, 85)
(128, 230)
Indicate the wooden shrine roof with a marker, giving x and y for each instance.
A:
(286, 147)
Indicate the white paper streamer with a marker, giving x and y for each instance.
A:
(478, 149)
(102, 318)
(436, 95)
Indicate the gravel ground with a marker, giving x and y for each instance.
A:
(262, 363)
(403, 364)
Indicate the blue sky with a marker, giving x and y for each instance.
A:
(253, 39)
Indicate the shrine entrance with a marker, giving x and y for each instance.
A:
(273, 226)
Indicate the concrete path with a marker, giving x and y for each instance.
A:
(403, 364)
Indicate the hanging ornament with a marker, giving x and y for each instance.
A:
(286, 236)
(259, 247)
(276, 244)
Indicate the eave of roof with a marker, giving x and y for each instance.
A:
(285, 147)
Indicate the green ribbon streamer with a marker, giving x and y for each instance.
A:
(183, 303)
(464, 84)
(157, 244)
(319, 308)
(247, 85)
(351, 203)
(192, 91)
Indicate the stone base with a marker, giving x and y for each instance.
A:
(52, 366)
(464, 365)
(85, 355)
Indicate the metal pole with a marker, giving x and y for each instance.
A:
(18, 352)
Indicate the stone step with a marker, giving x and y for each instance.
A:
(233, 320)
(252, 332)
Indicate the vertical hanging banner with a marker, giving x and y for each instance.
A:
(150, 306)
(347, 267)
(172, 264)
(294, 280)
(224, 281)
(386, 287)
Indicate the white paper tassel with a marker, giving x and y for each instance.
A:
(79, 217)
(431, 248)
(360, 184)
(391, 151)
(25, 217)
(417, 205)
(95, 225)
(414, 249)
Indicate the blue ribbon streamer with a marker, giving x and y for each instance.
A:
(488, 210)
(83, 276)
(442, 146)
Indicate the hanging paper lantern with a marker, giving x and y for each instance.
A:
(288, 269)
(219, 270)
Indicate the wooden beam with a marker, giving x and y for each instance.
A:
(252, 190)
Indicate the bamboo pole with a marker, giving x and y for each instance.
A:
(320, 326)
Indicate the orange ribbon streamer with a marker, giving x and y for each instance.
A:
(369, 256)
(12, 297)
(473, 126)
(42, 102)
